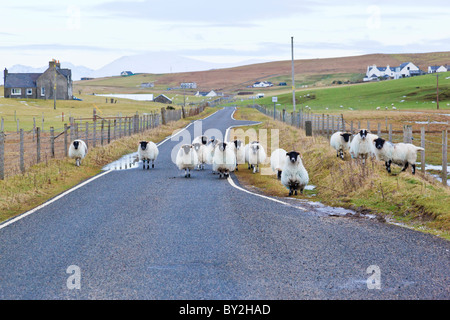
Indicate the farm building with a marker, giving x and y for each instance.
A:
(262, 84)
(126, 73)
(407, 69)
(188, 85)
(39, 85)
(434, 69)
(211, 93)
(162, 99)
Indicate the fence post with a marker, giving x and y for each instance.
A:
(65, 140)
(343, 122)
(422, 144)
(308, 128)
(115, 129)
(21, 153)
(38, 145)
(328, 126)
(120, 127)
(2, 154)
(102, 132)
(444, 157)
(109, 131)
(163, 116)
(52, 142)
(129, 127)
(390, 132)
(379, 129)
(94, 143)
(351, 126)
(87, 133)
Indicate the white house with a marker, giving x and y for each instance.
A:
(211, 93)
(407, 69)
(434, 69)
(262, 84)
(188, 85)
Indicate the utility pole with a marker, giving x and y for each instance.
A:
(437, 90)
(293, 81)
(54, 90)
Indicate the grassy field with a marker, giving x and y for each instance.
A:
(44, 181)
(405, 94)
(418, 201)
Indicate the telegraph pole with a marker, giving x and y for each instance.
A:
(437, 90)
(293, 81)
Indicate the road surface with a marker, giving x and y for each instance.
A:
(153, 234)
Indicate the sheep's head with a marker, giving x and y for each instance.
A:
(346, 136)
(363, 133)
(143, 145)
(379, 143)
(294, 156)
(237, 144)
(196, 146)
(187, 148)
(254, 147)
(76, 144)
(204, 139)
(222, 146)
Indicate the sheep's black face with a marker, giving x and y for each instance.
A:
(76, 144)
(143, 145)
(346, 136)
(197, 146)
(222, 146)
(363, 133)
(204, 139)
(293, 156)
(237, 144)
(379, 143)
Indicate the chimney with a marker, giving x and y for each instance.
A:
(52, 63)
(5, 74)
(58, 64)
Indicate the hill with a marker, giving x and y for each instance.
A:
(312, 72)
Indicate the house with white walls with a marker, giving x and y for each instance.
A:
(434, 69)
(407, 69)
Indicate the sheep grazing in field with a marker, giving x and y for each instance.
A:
(340, 141)
(402, 154)
(294, 175)
(362, 146)
(187, 159)
(238, 148)
(277, 160)
(378, 108)
(256, 156)
(224, 160)
(147, 151)
(78, 150)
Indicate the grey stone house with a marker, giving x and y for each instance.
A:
(39, 85)
(162, 99)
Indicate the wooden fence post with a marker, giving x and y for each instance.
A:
(109, 131)
(38, 145)
(94, 143)
(86, 134)
(422, 144)
(390, 132)
(2, 154)
(65, 140)
(444, 157)
(52, 142)
(102, 132)
(21, 153)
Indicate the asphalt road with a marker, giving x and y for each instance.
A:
(153, 234)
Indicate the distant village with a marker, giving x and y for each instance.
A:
(407, 69)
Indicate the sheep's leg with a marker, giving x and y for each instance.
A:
(148, 164)
(77, 162)
(295, 192)
(189, 173)
(185, 173)
(290, 191)
(405, 167)
(254, 169)
(143, 164)
(388, 166)
(413, 168)
(237, 169)
(279, 174)
(153, 163)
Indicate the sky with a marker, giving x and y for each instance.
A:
(93, 33)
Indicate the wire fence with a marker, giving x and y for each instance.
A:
(434, 160)
(23, 149)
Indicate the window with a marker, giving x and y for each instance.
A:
(42, 91)
(16, 91)
(29, 91)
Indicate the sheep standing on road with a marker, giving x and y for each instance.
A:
(362, 145)
(78, 150)
(224, 160)
(187, 159)
(340, 142)
(147, 151)
(294, 175)
(202, 153)
(277, 161)
(210, 147)
(402, 154)
(239, 150)
(200, 139)
(256, 156)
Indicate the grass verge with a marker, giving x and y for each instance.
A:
(46, 180)
(417, 201)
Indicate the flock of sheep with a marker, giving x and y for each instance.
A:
(365, 144)
(225, 157)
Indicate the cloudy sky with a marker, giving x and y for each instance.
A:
(93, 33)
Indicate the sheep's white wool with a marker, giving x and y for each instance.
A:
(200, 139)
(337, 141)
(210, 147)
(256, 155)
(294, 175)
(238, 148)
(148, 151)
(277, 161)
(78, 150)
(202, 154)
(402, 154)
(187, 158)
(362, 147)
(224, 159)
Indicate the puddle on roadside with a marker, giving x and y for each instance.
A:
(129, 161)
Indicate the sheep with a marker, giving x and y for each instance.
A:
(186, 159)
(238, 148)
(224, 160)
(277, 160)
(78, 150)
(200, 139)
(402, 154)
(340, 142)
(256, 155)
(247, 152)
(294, 175)
(210, 146)
(362, 145)
(202, 153)
(147, 151)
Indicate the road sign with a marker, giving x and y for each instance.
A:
(274, 99)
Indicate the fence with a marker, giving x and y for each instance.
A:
(22, 149)
(435, 142)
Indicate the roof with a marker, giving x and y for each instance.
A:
(163, 96)
(65, 72)
(21, 80)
